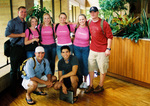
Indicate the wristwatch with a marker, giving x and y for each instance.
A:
(109, 49)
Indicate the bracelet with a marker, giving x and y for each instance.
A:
(108, 48)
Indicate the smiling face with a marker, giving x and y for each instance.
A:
(39, 56)
(46, 19)
(62, 18)
(82, 20)
(22, 13)
(65, 54)
(33, 22)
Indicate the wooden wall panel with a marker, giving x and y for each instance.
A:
(129, 59)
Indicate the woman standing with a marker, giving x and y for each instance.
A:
(81, 46)
(62, 31)
(48, 40)
(32, 37)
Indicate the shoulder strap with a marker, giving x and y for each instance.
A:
(75, 29)
(40, 37)
(53, 32)
(56, 27)
(68, 27)
(29, 32)
(89, 33)
(89, 22)
(102, 20)
(34, 62)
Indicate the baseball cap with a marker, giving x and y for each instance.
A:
(39, 49)
(93, 8)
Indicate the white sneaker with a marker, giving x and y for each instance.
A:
(81, 86)
(85, 85)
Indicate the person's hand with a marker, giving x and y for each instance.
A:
(107, 52)
(61, 78)
(35, 39)
(64, 90)
(22, 35)
(48, 84)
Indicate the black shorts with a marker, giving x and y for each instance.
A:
(67, 82)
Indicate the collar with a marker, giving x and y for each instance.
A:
(20, 20)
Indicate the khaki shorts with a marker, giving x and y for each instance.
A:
(98, 60)
(25, 82)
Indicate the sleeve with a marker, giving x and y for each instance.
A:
(47, 68)
(74, 61)
(9, 28)
(72, 27)
(29, 68)
(60, 66)
(27, 33)
(107, 30)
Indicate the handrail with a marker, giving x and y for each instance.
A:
(5, 64)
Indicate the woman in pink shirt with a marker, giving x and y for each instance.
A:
(62, 31)
(81, 46)
(32, 36)
(48, 40)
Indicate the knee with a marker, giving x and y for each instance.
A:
(74, 79)
(33, 84)
(54, 78)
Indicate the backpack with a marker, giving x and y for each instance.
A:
(102, 20)
(32, 33)
(24, 63)
(58, 24)
(40, 37)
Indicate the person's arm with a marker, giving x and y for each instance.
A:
(107, 52)
(40, 81)
(72, 73)
(12, 35)
(64, 88)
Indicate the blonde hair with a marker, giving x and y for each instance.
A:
(33, 17)
(49, 17)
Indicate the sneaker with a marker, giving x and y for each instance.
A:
(85, 85)
(98, 89)
(81, 86)
(89, 89)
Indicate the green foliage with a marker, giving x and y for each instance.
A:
(38, 12)
(112, 5)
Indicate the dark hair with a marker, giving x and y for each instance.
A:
(65, 47)
(21, 7)
(63, 14)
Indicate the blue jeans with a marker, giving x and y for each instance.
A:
(59, 51)
(30, 54)
(82, 54)
(50, 54)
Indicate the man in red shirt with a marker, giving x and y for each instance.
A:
(99, 49)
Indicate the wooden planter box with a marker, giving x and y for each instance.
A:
(130, 61)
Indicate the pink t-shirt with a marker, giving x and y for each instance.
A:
(46, 35)
(63, 34)
(35, 34)
(81, 37)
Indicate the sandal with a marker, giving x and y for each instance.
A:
(39, 93)
(75, 99)
(30, 100)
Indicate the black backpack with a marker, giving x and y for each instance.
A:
(57, 27)
(41, 30)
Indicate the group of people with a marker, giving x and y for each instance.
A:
(89, 51)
